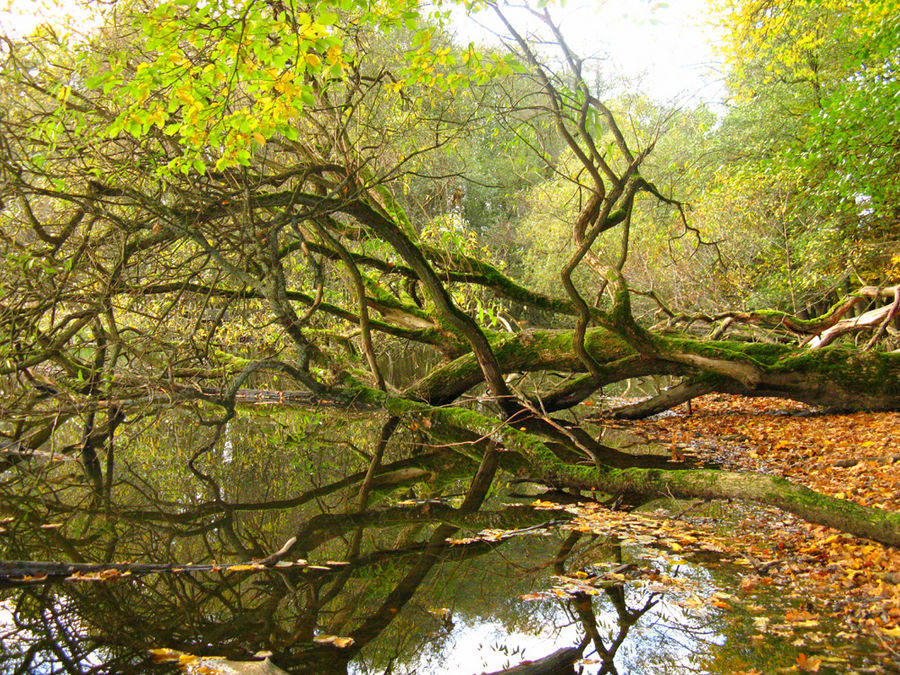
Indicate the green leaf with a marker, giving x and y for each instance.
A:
(327, 18)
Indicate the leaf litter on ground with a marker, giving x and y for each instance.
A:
(852, 456)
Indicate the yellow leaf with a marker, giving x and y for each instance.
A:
(164, 654)
(29, 577)
(334, 54)
(808, 664)
(313, 60)
(259, 138)
(341, 642)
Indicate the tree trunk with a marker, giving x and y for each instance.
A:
(832, 377)
(543, 465)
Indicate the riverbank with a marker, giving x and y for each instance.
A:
(848, 456)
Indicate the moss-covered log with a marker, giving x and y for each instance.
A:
(835, 377)
(545, 466)
(540, 350)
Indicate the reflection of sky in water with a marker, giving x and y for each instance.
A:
(664, 640)
(485, 645)
(258, 459)
(16, 642)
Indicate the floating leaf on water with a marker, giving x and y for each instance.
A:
(748, 584)
(540, 504)
(31, 577)
(532, 596)
(104, 575)
(808, 664)
(164, 654)
(799, 615)
(340, 642)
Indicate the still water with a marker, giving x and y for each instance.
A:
(310, 542)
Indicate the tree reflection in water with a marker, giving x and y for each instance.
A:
(379, 498)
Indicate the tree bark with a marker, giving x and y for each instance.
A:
(560, 662)
(833, 377)
(546, 467)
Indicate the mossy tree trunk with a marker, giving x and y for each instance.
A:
(834, 377)
(541, 464)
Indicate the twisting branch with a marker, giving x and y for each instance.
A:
(360, 289)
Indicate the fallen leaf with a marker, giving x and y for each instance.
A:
(808, 664)
(334, 640)
(164, 654)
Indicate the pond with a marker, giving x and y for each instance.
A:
(279, 545)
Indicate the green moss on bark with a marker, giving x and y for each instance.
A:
(545, 466)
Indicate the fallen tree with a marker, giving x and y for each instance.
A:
(139, 266)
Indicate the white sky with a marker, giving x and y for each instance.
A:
(21, 17)
(667, 47)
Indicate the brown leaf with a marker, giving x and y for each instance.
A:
(808, 664)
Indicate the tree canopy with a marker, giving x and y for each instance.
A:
(812, 137)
